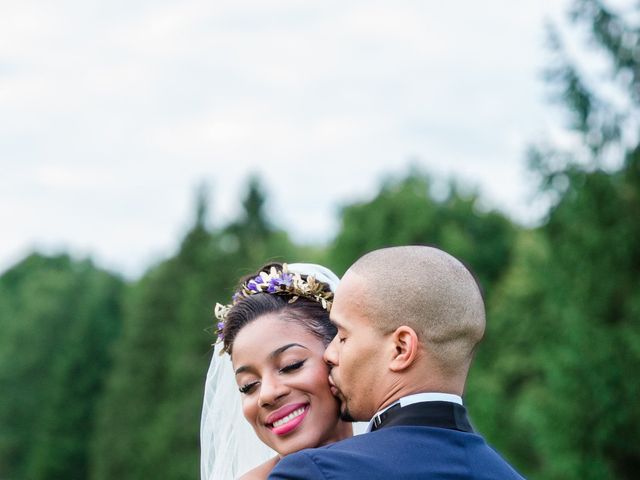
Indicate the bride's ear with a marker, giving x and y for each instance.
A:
(405, 343)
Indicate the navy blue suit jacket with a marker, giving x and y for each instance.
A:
(431, 440)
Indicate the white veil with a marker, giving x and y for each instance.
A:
(229, 446)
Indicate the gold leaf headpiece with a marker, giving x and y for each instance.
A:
(276, 282)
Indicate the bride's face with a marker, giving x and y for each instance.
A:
(284, 385)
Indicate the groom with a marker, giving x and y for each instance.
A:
(409, 319)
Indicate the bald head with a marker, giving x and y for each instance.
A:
(428, 290)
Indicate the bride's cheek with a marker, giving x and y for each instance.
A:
(248, 410)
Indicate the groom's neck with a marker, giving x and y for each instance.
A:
(405, 385)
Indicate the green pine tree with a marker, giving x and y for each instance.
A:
(59, 318)
(149, 419)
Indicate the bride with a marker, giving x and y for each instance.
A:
(275, 332)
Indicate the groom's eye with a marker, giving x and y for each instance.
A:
(248, 387)
(292, 366)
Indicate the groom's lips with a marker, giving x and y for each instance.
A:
(334, 390)
(284, 412)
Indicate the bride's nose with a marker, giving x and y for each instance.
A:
(272, 388)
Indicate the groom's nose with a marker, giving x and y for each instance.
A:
(331, 354)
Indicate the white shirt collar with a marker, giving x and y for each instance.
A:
(417, 398)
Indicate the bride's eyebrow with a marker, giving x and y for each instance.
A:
(272, 355)
(284, 348)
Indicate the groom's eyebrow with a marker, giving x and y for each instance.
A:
(337, 324)
(284, 348)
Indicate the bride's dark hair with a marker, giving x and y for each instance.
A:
(303, 311)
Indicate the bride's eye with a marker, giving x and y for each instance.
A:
(247, 388)
(292, 366)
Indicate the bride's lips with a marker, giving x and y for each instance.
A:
(287, 418)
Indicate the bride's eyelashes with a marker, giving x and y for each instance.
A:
(292, 366)
(247, 388)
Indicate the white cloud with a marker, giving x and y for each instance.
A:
(111, 113)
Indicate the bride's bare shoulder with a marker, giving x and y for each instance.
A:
(262, 471)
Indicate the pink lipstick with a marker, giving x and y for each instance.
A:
(287, 418)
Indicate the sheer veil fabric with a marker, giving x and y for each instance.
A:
(229, 446)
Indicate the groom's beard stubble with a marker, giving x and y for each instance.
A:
(345, 414)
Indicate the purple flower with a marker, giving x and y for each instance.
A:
(272, 287)
(286, 279)
(220, 325)
(258, 279)
(252, 286)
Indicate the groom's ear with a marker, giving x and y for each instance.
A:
(405, 343)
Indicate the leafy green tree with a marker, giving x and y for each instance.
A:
(405, 211)
(506, 383)
(59, 318)
(558, 387)
(555, 387)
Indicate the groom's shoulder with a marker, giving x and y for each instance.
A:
(369, 453)
(396, 450)
(323, 462)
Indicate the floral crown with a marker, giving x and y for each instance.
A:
(278, 282)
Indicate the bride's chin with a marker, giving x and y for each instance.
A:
(294, 442)
(307, 435)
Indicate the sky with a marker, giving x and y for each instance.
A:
(113, 113)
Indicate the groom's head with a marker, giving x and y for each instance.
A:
(408, 321)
